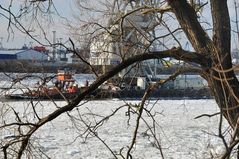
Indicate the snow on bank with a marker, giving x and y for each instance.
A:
(180, 135)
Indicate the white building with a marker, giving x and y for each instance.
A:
(110, 48)
(104, 51)
(184, 81)
(189, 81)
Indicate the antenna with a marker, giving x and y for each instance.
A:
(60, 41)
(60, 49)
(54, 45)
(1, 43)
(237, 26)
(30, 44)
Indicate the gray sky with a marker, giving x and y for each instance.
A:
(18, 39)
(64, 7)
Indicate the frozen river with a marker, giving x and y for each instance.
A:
(179, 134)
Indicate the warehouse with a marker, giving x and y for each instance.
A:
(8, 54)
(23, 55)
(189, 81)
(31, 55)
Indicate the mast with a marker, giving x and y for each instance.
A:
(1, 43)
(237, 27)
(54, 45)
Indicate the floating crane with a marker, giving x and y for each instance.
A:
(130, 32)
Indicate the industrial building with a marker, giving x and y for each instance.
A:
(8, 54)
(195, 82)
(32, 55)
(189, 81)
(28, 54)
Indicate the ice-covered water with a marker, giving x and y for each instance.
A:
(29, 80)
(20, 82)
(180, 135)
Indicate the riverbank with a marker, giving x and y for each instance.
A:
(18, 66)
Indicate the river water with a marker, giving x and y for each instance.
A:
(178, 132)
(180, 135)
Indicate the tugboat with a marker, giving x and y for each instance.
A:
(64, 87)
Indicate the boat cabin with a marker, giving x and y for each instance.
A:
(64, 75)
(65, 81)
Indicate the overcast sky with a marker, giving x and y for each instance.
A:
(18, 39)
(64, 7)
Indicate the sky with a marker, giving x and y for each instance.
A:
(18, 39)
(65, 8)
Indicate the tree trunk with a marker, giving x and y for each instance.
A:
(226, 94)
(220, 75)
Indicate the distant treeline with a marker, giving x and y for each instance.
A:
(17, 66)
(23, 66)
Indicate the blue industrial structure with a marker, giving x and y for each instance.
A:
(29, 54)
(32, 55)
(8, 57)
(8, 54)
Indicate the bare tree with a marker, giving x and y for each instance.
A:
(131, 42)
